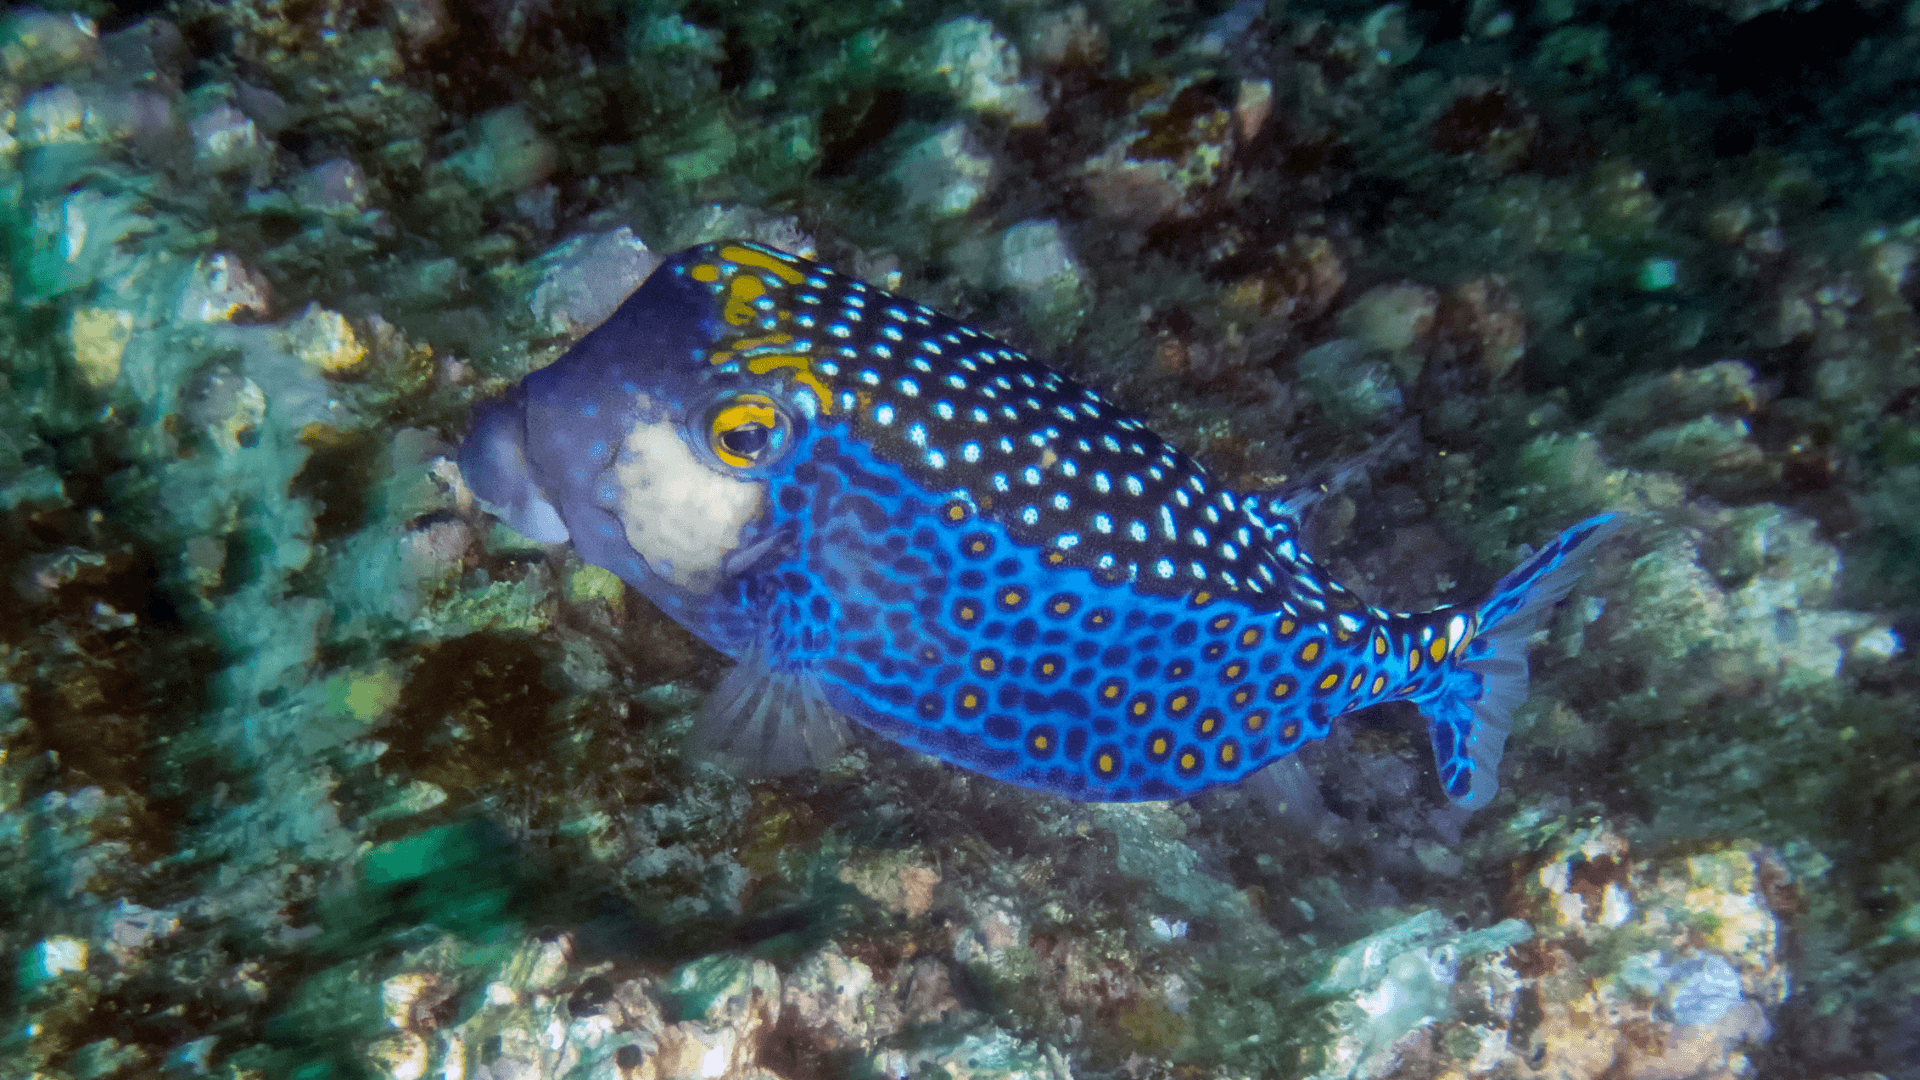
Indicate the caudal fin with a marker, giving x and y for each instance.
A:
(1470, 716)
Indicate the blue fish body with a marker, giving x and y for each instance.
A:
(886, 516)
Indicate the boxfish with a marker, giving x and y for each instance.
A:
(889, 519)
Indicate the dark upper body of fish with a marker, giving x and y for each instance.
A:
(884, 515)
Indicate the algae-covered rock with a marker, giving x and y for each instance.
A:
(309, 767)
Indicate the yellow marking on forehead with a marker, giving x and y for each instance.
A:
(1438, 649)
(802, 370)
(706, 273)
(1379, 644)
(742, 291)
(773, 341)
(760, 260)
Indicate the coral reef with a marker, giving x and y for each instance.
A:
(309, 768)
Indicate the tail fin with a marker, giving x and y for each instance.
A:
(1470, 716)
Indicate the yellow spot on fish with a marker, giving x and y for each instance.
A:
(1378, 682)
(705, 272)
(1438, 650)
(1354, 683)
(1332, 680)
(1104, 763)
(1310, 652)
(1379, 644)
(1159, 747)
(1413, 661)
(761, 260)
(742, 291)
(802, 370)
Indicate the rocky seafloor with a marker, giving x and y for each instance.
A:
(310, 770)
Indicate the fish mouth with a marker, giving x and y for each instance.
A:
(493, 465)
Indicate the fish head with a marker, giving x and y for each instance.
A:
(651, 445)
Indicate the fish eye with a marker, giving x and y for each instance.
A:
(747, 430)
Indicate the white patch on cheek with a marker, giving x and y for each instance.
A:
(681, 515)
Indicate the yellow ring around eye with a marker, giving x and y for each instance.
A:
(744, 411)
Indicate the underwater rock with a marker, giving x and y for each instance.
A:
(1353, 389)
(38, 45)
(983, 70)
(1037, 264)
(1695, 958)
(504, 153)
(947, 173)
(583, 279)
(1177, 147)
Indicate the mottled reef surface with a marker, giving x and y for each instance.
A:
(310, 770)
